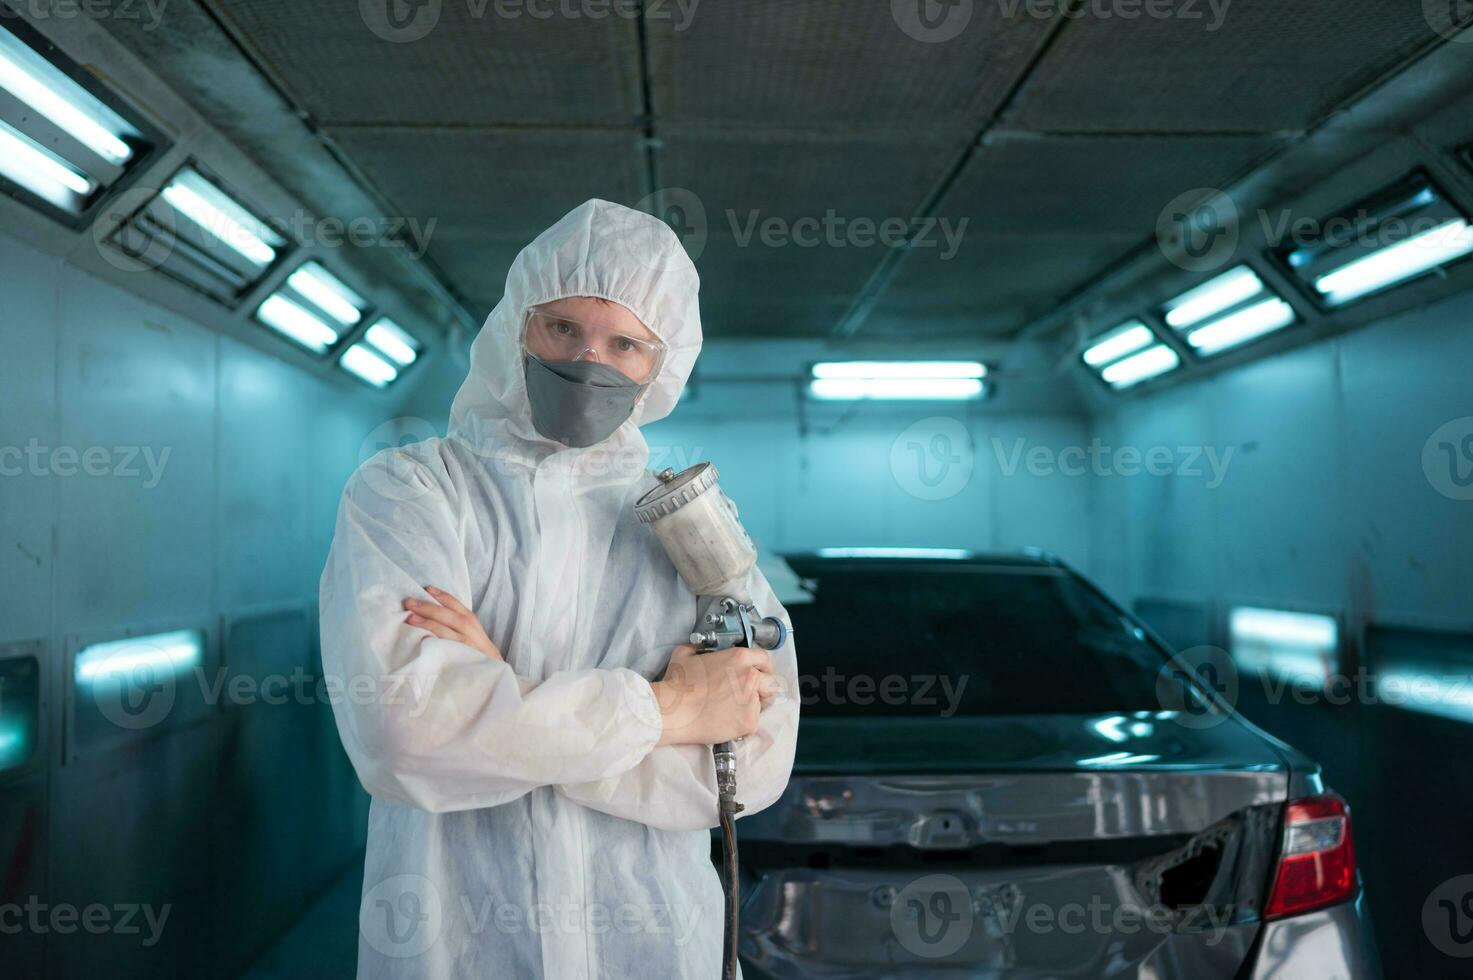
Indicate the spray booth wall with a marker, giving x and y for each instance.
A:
(233, 813)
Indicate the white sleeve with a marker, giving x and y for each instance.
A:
(674, 787)
(433, 723)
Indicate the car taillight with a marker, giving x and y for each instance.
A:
(1317, 863)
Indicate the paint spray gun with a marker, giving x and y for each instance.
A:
(698, 527)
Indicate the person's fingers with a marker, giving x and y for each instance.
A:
(769, 687)
(448, 601)
(457, 621)
(439, 629)
(757, 658)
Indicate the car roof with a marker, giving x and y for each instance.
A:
(865, 560)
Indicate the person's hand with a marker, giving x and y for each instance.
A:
(448, 619)
(707, 698)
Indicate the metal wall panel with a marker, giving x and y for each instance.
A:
(27, 486)
(266, 415)
(137, 384)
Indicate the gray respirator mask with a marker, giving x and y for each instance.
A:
(579, 403)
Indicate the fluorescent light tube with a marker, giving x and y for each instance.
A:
(1140, 367)
(32, 166)
(1240, 327)
(1445, 695)
(1407, 258)
(43, 96)
(293, 321)
(1275, 626)
(213, 210)
(915, 389)
(169, 653)
(1125, 339)
(1213, 296)
(364, 363)
(900, 369)
(328, 293)
(393, 341)
(881, 552)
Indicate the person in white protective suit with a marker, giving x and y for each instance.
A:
(541, 805)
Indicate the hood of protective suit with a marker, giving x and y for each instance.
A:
(597, 249)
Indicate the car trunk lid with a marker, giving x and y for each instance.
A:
(1104, 845)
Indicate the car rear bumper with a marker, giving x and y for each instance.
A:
(1331, 944)
(815, 931)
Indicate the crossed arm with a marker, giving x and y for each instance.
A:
(451, 726)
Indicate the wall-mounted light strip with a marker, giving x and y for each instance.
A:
(61, 100)
(1124, 339)
(363, 362)
(393, 342)
(1395, 263)
(1128, 354)
(314, 308)
(42, 172)
(883, 552)
(898, 380)
(328, 293)
(291, 320)
(385, 350)
(122, 661)
(1212, 297)
(215, 212)
(197, 232)
(1227, 311)
(59, 141)
(1400, 233)
(20, 703)
(1300, 648)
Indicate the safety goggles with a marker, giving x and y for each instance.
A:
(555, 337)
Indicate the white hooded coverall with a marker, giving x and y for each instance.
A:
(523, 821)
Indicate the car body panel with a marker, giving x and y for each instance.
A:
(1138, 844)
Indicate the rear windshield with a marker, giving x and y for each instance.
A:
(968, 641)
